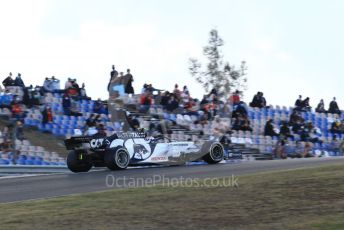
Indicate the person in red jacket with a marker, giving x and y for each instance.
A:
(145, 102)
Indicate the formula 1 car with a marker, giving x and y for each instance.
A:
(121, 150)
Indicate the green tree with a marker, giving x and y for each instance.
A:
(222, 76)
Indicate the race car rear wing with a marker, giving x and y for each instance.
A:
(76, 142)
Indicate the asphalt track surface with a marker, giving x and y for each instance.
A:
(47, 186)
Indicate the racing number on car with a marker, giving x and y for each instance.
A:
(96, 143)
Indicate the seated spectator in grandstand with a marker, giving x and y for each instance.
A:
(336, 127)
(145, 102)
(241, 109)
(165, 97)
(19, 131)
(240, 122)
(246, 126)
(128, 79)
(99, 107)
(279, 149)
(296, 121)
(133, 122)
(101, 131)
(18, 81)
(90, 121)
(285, 131)
(8, 81)
(191, 107)
(234, 99)
(334, 108)
(204, 102)
(66, 104)
(269, 129)
(36, 96)
(157, 98)
(173, 103)
(203, 118)
(302, 149)
(17, 111)
(305, 105)
(258, 101)
(47, 115)
(321, 107)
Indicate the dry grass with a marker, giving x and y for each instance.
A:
(294, 199)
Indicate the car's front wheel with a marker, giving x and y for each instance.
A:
(117, 158)
(78, 162)
(215, 155)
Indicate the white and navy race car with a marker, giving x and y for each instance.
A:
(137, 149)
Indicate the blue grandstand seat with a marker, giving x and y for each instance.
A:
(4, 162)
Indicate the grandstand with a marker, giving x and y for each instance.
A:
(65, 126)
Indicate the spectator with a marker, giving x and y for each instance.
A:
(285, 130)
(98, 107)
(279, 149)
(336, 127)
(164, 99)
(68, 83)
(258, 101)
(145, 102)
(173, 103)
(47, 115)
(18, 81)
(133, 122)
(234, 99)
(8, 81)
(19, 131)
(129, 83)
(176, 91)
(101, 131)
(47, 85)
(66, 104)
(305, 105)
(334, 108)
(83, 94)
(17, 111)
(298, 102)
(269, 129)
(151, 89)
(90, 121)
(113, 76)
(321, 107)
(55, 85)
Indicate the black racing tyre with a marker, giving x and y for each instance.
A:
(215, 155)
(78, 162)
(117, 158)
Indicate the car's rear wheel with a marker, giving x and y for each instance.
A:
(215, 155)
(117, 158)
(78, 162)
